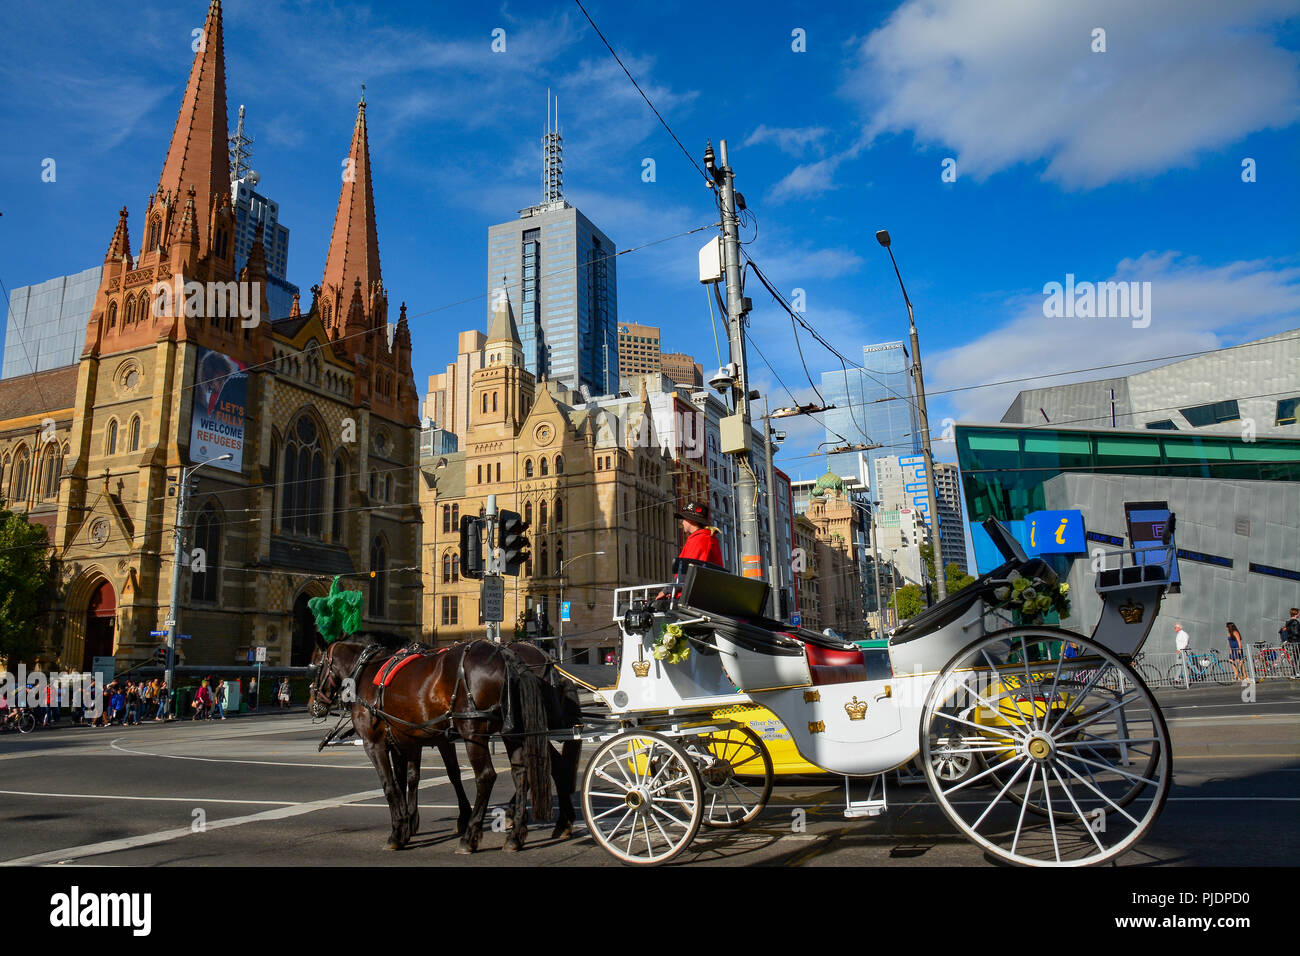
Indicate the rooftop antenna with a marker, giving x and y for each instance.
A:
(241, 149)
(552, 155)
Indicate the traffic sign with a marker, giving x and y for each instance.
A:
(564, 611)
(183, 637)
(157, 633)
(260, 654)
(493, 595)
(796, 619)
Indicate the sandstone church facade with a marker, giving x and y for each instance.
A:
(318, 411)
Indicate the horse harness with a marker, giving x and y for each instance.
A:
(513, 664)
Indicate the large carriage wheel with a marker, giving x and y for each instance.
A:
(641, 797)
(1092, 763)
(724, 757)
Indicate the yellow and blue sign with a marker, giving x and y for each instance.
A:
(1054, 532)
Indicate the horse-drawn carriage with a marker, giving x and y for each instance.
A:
(1041, 745)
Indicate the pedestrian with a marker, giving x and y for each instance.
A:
(202, 698)
(164, 702)
(219, 699)
(1234, 650)
(252, 693)
(132, 704)
(282, 695)
(1289, 632)
(117, 704)
(1181, 641)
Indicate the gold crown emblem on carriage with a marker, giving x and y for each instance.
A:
(640, 668)
(1130, 612)
(856, 709)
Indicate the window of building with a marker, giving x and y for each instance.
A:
(480, 475)
(498, 471)
(494, 401)
(378, 579)
(110, 444)
(112, 315)
(446, 519)
(455, 517)
(559, 464)
(303, 480)
(340, 496)
(1199, 416)
(1286, 411)
(22, 465)
(51, 466)
(559, 512)
(485, 402)
(135, 433)
(542, 566)
(1165, 423)
(450, 610)
(546, 467)
(528, 468)
(207, 535)
(528, 512)
(541, 515)
(455, 566)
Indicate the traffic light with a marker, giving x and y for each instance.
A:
(511, 540)
(471, 546)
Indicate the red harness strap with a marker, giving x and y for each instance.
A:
(391, 666)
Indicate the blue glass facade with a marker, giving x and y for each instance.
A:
(47, 323)
(873, 405)
(560, 272)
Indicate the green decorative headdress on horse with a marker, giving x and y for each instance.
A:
(338, 614)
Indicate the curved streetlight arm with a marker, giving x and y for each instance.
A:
(564, 564)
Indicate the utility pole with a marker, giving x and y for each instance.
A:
(492, 572)
(738, 437)
(940, 588)
(774, 569)
(875, 567)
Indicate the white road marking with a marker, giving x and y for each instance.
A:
(261, 763)
(162, 836)
(118, 796)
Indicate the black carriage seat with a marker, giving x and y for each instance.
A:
(734, 606)
(953, 607)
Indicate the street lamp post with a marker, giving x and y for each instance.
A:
(564, 564)
(941, 588)
(173, 612)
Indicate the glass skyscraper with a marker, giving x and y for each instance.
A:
(560, 272)
(873, 405)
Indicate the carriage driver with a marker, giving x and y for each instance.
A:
(702, 543)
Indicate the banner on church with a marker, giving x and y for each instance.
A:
(220, 407)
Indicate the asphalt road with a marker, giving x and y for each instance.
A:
(253, 791)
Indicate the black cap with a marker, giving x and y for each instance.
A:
(694, 511)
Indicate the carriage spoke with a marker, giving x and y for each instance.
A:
(1029, 683)
(1051, 817)
(645, 829)
(613, 809)
(1024, 805)
(1111, 768)
(993, 731)
(655, 808)
(662, 832)
(984, 773)
(1005, 788)
(1120, 810)
(618, 826)
(1069, 795)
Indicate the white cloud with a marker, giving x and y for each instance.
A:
(793, 141)
(1005, 82)
(1193, 307)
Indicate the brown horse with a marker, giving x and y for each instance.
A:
(471, 691)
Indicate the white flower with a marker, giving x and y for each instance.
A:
(1028, 594)
(1013, 576)
(1002, 593)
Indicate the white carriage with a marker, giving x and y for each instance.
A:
(1041, 745)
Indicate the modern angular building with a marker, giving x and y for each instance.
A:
(47, 323)
(952, 526)
(874, 405)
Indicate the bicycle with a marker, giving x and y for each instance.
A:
(1149, 674)
(1275, 661)
(1201, 667)
(20, 719)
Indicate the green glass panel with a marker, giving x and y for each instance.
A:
(1255, 451)
(1059, 444)
(1197, 451)
(987, 442)
(1133, 449)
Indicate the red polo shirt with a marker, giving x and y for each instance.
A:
(702, 544)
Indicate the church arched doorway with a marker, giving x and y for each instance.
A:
(101, 615)
(305, 635)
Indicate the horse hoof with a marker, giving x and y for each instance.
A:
(392, 845)
(464, 850)
(562, 832)
(512, 846)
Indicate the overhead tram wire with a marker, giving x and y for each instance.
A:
(485, 295)
(658, 115)
(793, 399)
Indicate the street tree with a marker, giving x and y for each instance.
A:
(24, 585)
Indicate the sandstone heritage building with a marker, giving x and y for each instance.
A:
(317, 409)
(585, 480)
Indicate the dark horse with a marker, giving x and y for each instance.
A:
(469, 690)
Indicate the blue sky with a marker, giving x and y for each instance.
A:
(1125, 163)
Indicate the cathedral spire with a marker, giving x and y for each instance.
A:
(121, 243)
(354, 243)
(197, 157)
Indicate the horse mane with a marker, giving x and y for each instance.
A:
(385, 638)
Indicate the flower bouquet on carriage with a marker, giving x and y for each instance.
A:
(672, 645)
(1029, 598)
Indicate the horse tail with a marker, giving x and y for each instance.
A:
(534, 712)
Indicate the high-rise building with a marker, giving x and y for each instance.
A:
(952, 524)
(252, 209)
(447, 401)
(682, 369)
(874, 405)
(638, 350)
(561, 276)
(47, 323)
